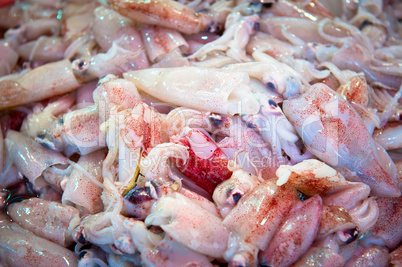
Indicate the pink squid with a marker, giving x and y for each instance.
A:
(165, 13)
(206, 165)
(184, 221)
(31, 158)
(51, 220)
(257, 215)
(295, 235)
(333, 132)
(84, 186)
(35, 250)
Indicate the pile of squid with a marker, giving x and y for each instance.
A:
(200, 133)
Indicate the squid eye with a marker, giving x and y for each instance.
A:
(272, 103)
(216, 119)
(351, 235)
(267, 5)
(82, 254)
(81, 239)
(365, 23)
(271, 86)
(236, 197)
(251, 125)
(256, 26)
(301, 196)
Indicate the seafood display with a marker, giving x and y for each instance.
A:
(200, 133)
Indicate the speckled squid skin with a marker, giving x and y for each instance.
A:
(163, 13)
(257, 216)
(48, 219)
(29, 86)
(206, 165)
(20, 247)
(334, 132)
(295, 235)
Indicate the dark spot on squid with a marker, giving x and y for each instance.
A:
(301, 196)
(81, 64)
(148, 188)
(272, 103)
(42, 135)
(82, 254)
(138, 195)
(204, 10)
(86, 246)
(81, 239)
(267, 5)
(216, 119)
(236, 197)
(351, 235)
(214, 27)
(16, 27)
(264, 265)
(17, 199)
(271, 86)
(100, 79)
(256, 26)
(251, 125)
(29, 187)
(365, 23)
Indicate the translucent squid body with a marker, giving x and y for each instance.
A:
(165, 13)
(31, 158)
(333, 132)
(55, 223)
(210, 89)
(35, 251)
(29, 86)
(184, 221)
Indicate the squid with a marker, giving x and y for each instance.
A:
(234, 39)
(373, 255)
(35, 251)
(206, 164)
(257, 216)
(171, 253)
(44, 49)
(228, 193)
(55, 223)
(71, 132)
(155, 166)
(84, 187)
(209, 89)
(28, 86)
(277, 76)
(112, 91)
(31, 158)
(314, 177)
(108, 230)
(183, 220)
(295, 235)
(324, 120)
(108, 26)
(389, 136)
(386, 231)
(160, 41)
(165, 13)
(246, 147)
(321, 256)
